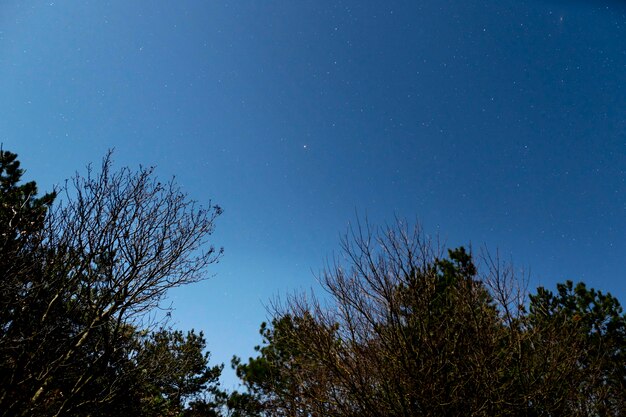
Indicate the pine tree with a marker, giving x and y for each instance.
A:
(22, 216)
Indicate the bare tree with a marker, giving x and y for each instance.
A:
(405, 330)
(110, 251)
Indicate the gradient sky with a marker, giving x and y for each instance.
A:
(498, 123)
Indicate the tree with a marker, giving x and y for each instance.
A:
(276, 380)
(89, 270)
(588, 375)
(162, 373)
(407, 331)
(22, 215)
(175, 373)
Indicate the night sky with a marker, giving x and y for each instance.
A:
(492, 123)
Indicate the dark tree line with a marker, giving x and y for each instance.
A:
(409, 331)
(405, 329)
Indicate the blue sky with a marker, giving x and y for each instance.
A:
(497, 123)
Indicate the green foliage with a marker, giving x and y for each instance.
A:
(591, 366)
(22, 216)
(21, 213)
(267, 385)
(174, 372)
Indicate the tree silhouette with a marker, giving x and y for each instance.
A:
(79, 278)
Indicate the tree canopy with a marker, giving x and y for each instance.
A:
(409, 331)
(405, 327)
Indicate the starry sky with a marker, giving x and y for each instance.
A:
(493, 123)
